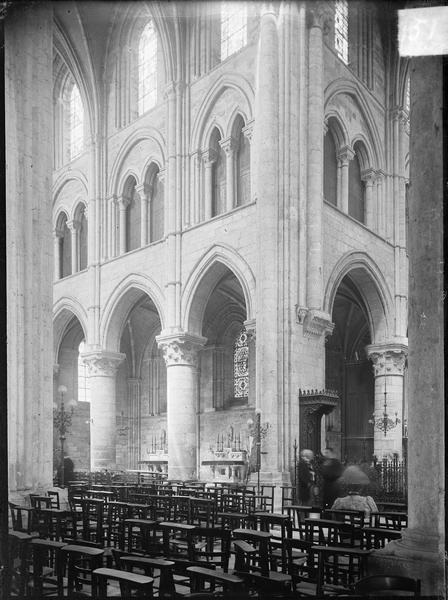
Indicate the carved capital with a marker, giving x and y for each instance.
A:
(102, 363)
(209, 156)
(170, 91)
(388, 359)
(229, 145)
(346, 154)
(301, 312)
(317, 323)
(251, 329)
(317, 16)
(248, 130)
(369, 176)
(180, 348)
(162, 174)
(123, 202)
(73, 225)
(143, 190)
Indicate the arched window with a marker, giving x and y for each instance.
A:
(83, 240)
(83, 379)
(76, 122)
(218, 176)
(157, 209)
(241, 365)
(330, 169)
(65, 248)
(355, 190)
(133, 216)
(407, 95)
(242, 164)
(341, 29)
(147, 69)
(233, 27)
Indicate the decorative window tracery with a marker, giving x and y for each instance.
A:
(241, 365)
(341, 29)
(233, 28)
(147, 69)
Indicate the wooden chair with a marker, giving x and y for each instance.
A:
(387, 585)
(339, 568)
(140, 536)
(230, 584)
(298, 513)
(23, 518)
(131, 585)
(212, 545)
(159, 569)
(93, 524)
(288, 496)
(279, 527)
(54, 497)
(80, 562)
(19, 567)
(47, 577)
(378, 537)
(390, 520)
(327, 532)
(302, 566)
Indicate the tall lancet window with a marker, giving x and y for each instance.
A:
(83, 377)
(233, 28)
(147, 69)
(76, 120)
(241, 366)
(341, 29)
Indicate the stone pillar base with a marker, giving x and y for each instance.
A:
(412, 557)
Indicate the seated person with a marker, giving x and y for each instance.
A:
(356, 500)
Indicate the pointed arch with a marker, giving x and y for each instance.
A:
(373, 288)
(64, 310)
(204, 277)
(120, 302)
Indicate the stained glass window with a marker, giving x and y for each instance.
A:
(233, 27)
(241, 366)
(407, 95)
(147, 69)
(76, 115)
(341, 29)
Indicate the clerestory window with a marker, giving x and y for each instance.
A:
(341, 29)
(233, 28)
(147, 69)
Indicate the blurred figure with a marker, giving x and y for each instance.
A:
(306, 476)
(331, 470)
(355, 482)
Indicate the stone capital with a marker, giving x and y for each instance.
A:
(102, 363)
(317, 323)
(73, 225)
(111, 199)
(162, 174)
(388, 359)
(248, 130)
(58, 232)
(209, 156)
(143, 190)
(346, 154)
(317, 16)
(123, 202)
(251, 329)
(369, 176)
(180, 348)
(170, 91)
(229, 145)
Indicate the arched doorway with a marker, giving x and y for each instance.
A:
(349, 371)
(71, 387)
(141, 386)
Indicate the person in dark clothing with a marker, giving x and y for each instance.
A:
(331, 470)
(306, 476)
(69, 472)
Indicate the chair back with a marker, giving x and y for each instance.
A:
(131, 585)
(80, 561)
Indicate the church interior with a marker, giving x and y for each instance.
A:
(224, 226)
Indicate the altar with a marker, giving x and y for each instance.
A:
(227, 466)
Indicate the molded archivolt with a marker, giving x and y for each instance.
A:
(373, 288)
(371, 138)
(337, 128)
(203, 279)
(202, 126)
(119, 304)
(120, 170)
(66, 188)
(64, 310)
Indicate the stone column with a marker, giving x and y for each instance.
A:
(345, 156)
(421, 550)
(380, 204)
(229, 146)
(145, 196)
(74, 228)
(112, 226)
(102, 368)
(370, 210)
(57, 236)
(209, 158)
(133, 410)
(315, 155)
(123, 204)
(28, 250)
(180, 352)
(389, 361)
